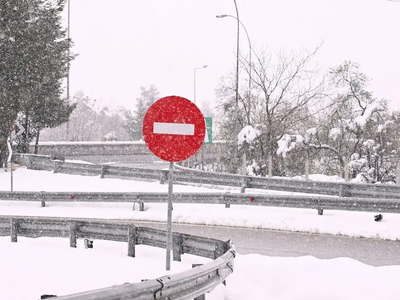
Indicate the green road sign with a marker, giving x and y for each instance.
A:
(208, 136)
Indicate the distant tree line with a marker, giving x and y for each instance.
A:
(93, 121)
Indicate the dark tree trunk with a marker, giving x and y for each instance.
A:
(3, 154)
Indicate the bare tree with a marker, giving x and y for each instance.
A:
(354, 130)
(283, 89)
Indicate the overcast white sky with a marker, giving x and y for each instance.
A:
(125, 44)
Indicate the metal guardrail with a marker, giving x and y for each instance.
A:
(44, 162)
(319, 203)
(340, 189)
(185, 175)
(185, 285)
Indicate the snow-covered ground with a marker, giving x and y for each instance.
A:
(33, 267)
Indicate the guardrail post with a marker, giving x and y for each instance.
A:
(14, 230)
(245, 184)
(345, 190)
(42, 201)
(140, 203)
(29, 162)
(104, 171)
(57, 165)
(227, 205)
(73, 228)
(202, 297)
(177, 247)
(132, 236)
(164, 176)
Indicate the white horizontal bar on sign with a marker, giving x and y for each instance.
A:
(173, 128)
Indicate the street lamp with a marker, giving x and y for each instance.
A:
(249, 94)
(237, 87)
(194, 81)
(250, 50)
(194, 99)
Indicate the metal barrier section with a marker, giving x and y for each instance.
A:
(309, 202)
(382, 197)
(186, 285)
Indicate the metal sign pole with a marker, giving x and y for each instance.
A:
(169, 215)
(173, 140)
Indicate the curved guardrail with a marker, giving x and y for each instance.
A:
(185, 175)
(185, 285)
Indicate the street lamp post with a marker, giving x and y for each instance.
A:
(249, 94)
(237, 88)
(237, 78)
(69, 46)
(194, 100)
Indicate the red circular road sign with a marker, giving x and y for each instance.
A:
(174, 128)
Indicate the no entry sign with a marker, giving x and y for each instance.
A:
(173, 128)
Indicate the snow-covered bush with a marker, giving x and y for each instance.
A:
(289, 142)
(248, 135)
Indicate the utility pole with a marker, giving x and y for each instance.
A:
(69, 46)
